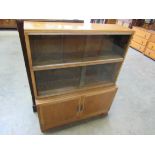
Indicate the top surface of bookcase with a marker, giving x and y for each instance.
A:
(62, 27)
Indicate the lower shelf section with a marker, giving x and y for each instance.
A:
(59, 81)
(60, 110)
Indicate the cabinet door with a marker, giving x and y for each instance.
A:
(142, 33)
(151, 46)
(55, 113)
(98, 102)
(152, 38)
(137, 46)
(140, 40)
(57, 81)
(150, 53)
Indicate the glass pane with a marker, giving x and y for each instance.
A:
(104, 73)
(57, 80)
(73, 47)
(52, 49)
(46, 49)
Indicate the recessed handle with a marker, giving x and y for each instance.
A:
(78, 107)
(81, 108)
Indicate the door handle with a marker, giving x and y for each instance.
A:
(78, 108)
(81, 107)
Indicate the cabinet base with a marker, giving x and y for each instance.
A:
(74, 123)
(58, 111)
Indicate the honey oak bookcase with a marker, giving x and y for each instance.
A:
(74, 68)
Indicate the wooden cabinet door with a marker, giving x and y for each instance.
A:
(97, 102)
(152, 38)
(142, 33)
(57, 113)
(151, 46)
(150, 53)
(140, 40)
(137, 46)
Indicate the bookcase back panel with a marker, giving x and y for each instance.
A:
(52, 49)
(57, 81)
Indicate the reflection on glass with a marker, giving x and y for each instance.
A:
(61, 80)
(71, 48)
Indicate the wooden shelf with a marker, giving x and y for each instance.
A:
(47, 93)
(81, 62)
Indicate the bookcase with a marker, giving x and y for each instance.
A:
(74, 68)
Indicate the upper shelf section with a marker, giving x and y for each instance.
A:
(60, 51)
(63, 28)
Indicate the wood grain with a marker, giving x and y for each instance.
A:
(137, 46)
(84, 62)
(150, 53)
(141, 32)
(54, 27)
(74, 68)
(30, 64)
(140, 40)
(151, 46)
(56, 112)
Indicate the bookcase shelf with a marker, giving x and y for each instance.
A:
(56, 49)
(79, 62)
(74, 68)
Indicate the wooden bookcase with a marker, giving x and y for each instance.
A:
(74, 68)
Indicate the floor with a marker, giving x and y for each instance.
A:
(132, 112)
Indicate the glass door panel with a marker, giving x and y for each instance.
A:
(55, 49)
(104, 73)
(46, 49)
(57, 80)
